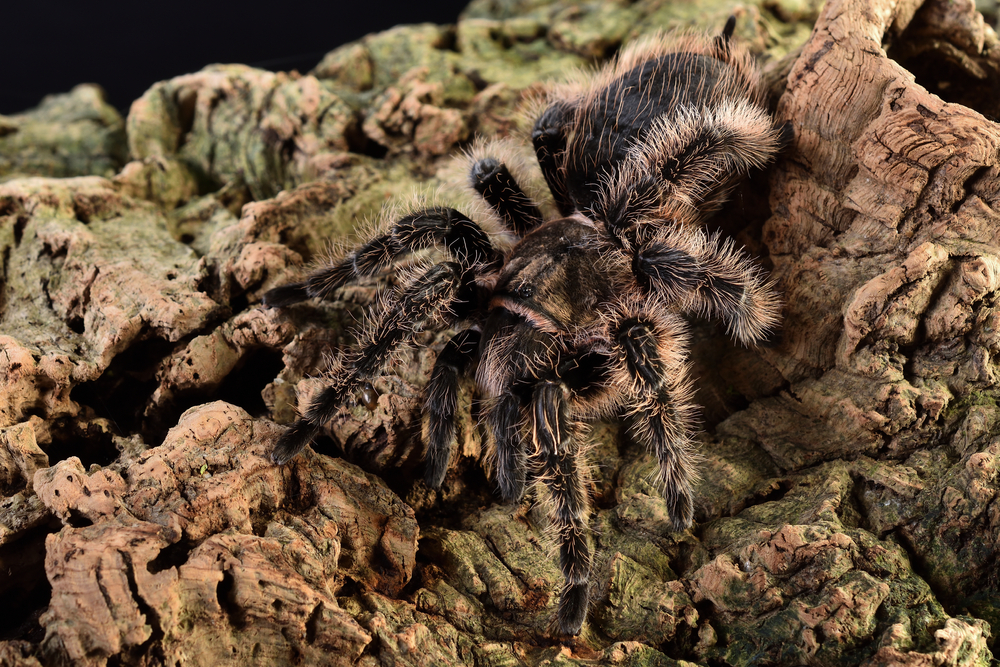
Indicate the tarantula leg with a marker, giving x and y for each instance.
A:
(442, 401)
(558, 460)
(696, 150)
(503, 418)
(786, 136)
(661, 421)
(709, 277)
(285, 295)
(549, 140)
(494, 183)
(621, 208)
(687, 162)
(466, 241)
(426, 298)
(652, 351)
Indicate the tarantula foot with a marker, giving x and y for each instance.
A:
(786, 135)
(293, 441)
(573, 608)
(729, 28)
(511, 488)
(434, 475)
(549, 126)
(285, 295)
(484, 171)
(772, 338)
(680, 507)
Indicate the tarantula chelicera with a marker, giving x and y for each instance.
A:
(580, 318)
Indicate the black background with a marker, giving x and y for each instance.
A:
(49, 46)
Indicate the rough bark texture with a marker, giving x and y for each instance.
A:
(848, 509)
(74, 134)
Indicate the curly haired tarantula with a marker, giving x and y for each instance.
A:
(580, 318)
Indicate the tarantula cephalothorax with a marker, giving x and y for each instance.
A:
(580, 318)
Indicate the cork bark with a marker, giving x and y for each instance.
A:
(847, 511)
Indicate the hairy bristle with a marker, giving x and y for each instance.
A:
(742, 77)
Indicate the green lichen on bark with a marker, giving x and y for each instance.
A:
(71, 134)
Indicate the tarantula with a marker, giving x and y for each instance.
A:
(581, 318)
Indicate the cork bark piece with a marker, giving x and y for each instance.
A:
(183, 548)
(234, 121)
(90, 273)
(70, 134)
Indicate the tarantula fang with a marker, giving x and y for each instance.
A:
(581, 317)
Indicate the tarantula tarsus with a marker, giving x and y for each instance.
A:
(580, 318)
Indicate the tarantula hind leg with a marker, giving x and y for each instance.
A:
(689, 160)
(559, 467)
(650, 351)
(441, 403)
(423, 300)
(467, 242)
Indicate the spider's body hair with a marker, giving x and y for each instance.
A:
(650, 83)
(551, 277)
(570, 319)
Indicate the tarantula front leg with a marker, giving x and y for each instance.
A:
(508, 372)
(494, 183)
(710, 277)
(442, 400)
(549, 140)
(425, 299)
(503, 419)
(650, 349)
(557, 455)
(466, 241)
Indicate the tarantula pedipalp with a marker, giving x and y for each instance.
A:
(580, 318)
